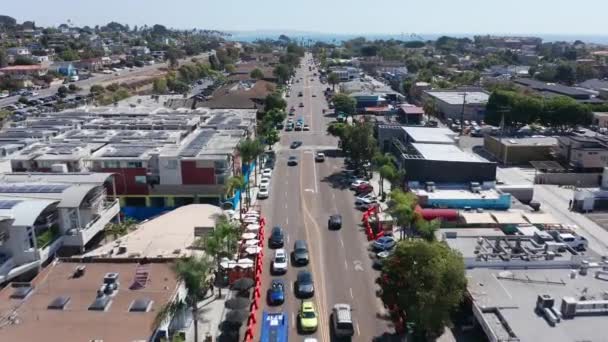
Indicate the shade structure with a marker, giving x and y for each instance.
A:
(236, 316)
(237, 303)
(248, 236)
(253, 227)
(252, 242)
(253, 249)
(243, 284)
(245, 262)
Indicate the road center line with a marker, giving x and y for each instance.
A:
(341, 242)
(358, 331)
(351, 293)
(293, 320)
(345, 264)
(314, 173)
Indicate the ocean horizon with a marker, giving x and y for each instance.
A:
(250, 36)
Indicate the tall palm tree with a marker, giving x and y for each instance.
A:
(221, 242)
(385, 165)
(236, 183)
(249, 151)
(193, 272)
(333, 79)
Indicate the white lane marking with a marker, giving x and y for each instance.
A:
(333, 196)
(291, 286)
(293, 320)
(287, 221)
(341, 242)
(345, 264)
(288, 242)
(310, 190)
(285, 193)
(358, 331)
(285, 205)
(314, 172)
(351, 293)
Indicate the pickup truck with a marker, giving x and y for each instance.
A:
(574, 241)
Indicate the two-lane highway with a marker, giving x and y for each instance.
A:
(301, 200)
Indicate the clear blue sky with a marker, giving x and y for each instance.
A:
(331, 16)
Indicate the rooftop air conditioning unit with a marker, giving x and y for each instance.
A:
(110, 278)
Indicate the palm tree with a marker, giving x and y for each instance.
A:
(333, 79)
(193, 272)
(221, 242)
(250, 150)
(236, 183)
(402, 208)
(385, 165)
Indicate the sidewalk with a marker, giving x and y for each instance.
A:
(211, 314)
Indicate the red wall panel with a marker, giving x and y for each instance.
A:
(125, 181)
(197, 175)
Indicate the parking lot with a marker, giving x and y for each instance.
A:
(600, 218)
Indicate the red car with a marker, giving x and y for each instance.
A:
(364, 189)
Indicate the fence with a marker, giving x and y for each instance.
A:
(577, 179)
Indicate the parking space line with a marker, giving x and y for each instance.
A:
(287, 221)
(345, 264)
(351, 293)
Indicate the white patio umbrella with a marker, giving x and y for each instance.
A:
(248, 236)
(253, 227)
(253, 249)
(252, 242)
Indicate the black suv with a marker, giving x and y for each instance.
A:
(276, 239)
(334, 222)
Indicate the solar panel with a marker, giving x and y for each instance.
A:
(200, 141)
(32, 188)
(8, 204)
(140, 305)
(100, 303)
(21, 292)
(59, 303)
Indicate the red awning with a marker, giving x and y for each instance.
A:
(444, 214)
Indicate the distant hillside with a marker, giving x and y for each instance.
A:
(7, 21)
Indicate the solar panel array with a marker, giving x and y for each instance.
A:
(33, 188)
(195, 146)
(126, 151)
(8, 204)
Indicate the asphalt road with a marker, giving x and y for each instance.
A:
(302, 198)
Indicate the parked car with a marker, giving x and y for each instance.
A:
(342, 320)
(335, 221)
(300, 252)
(276, 238)
(384, 243)
(369, 198)
(307, 316)
(279, 263)
(575, 242)
(265, 182)
(306, 128)
(354, 185)
(276, 292)
(301, 104)
(267, 172)
(364, 189)
(305, 287)
(320, 157)
(263, 193)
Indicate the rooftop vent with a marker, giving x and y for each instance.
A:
(141, 305)
(59, 303)
(21, 291)
(100, 303)
(110, 278)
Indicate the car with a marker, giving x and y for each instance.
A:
(384, 243)
(279, 262)
(307, 317)
(263, 193)
(369, 198)
(380, 258)
(289, 128)
(292, 161)
(300, 252)
(365, 206)
(298, 127)
(334, 221)
(364, 189)
(342, 320)
(296, 143)
(354, 185)
(276, 238)
(320, 157)
(305, 287)
(306, 128)
(287, 95)
(300, 94)
(301, 105)
(267, 172)
(276, 292)
(280, 125)
(265, 182)
(314, 95)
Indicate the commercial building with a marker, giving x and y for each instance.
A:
(459, 104)
(345, 73)
(430, 155)
(410, 114)
(456, 196)
(520, 151)
(43, 212)
(21, 71)
(554, 89)
(97, 301)
(523, 289)
(583, 153)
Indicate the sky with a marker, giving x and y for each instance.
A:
(582, 17)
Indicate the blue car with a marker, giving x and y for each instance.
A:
(385, 243)
(276, 292)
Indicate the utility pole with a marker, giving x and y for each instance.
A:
(464, 101)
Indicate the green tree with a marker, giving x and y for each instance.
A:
(73, 88)
(172, 56)
(333, 79)
(62, 91)
(22, 60)
(426, 229)
(565, 73)
(119, 229)
(257, 74)
(234, 184)
(230, 68)
(384, 164)
(193, 271)
(69, 55)
(250, 150)
(282, 72)
(585, 71)
(402, 207)
(426, 282)
(160, 86)
(344, 103)
(430, 107)
(274, 101)
(3, 58)
(97, 89)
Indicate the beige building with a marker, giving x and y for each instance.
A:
(583, 153)
(513, 151)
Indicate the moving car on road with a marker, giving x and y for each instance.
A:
(305, 287)
(308, 317)
(276, 292)
(296, 144)
(342, 320)
(384, 243)
(300, 252)
(306, 128)
(275, 327)
(320, 157)
(301, 104)
(279, 263)
(335, 221)
(292, 161)
(276, 238)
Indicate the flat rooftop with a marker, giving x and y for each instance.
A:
(167, 236)
(457, 97)
(30, 319)
(445, 152)
(434, 135)
(457, 193)
(533, 141)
